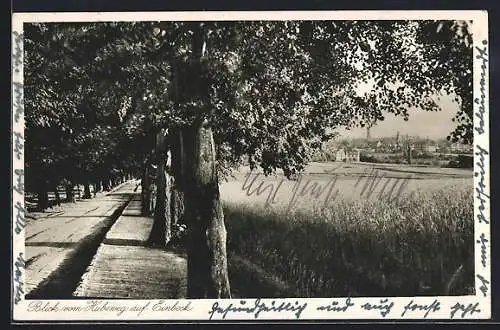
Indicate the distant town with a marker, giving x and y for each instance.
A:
(399, 149)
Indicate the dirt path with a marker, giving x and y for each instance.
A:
(59, 246)
(124, 267)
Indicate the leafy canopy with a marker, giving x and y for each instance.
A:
(273, 91)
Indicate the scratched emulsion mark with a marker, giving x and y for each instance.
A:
(19, 266)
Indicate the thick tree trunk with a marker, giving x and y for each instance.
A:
(86, 191)
(70, 195)
(207, 257)
(160, 233)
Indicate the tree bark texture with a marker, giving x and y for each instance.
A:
(160, 233)
(177, 169)
(207, 256)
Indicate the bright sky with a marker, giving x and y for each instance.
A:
(431, 124)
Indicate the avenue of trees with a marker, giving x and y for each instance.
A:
(181, 103)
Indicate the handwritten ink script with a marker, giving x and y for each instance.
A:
(261, 188)
(481, 101)
(384, 307)
(17, 62)
(19, 181)
(412, 307)
(18, 144)
(373, 180)
(19, 266)
(336, 306)
(484, 285)
(256, 308)
(17, 54)
(20, 217)
(18, 101)
(369, 182)
(483, 241)
(481, 196)
(464, 309)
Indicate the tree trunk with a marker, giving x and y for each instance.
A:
(145, 191)
(409, 155)
(86, 191)
(57, 196)
(177, 205)
(70, 195)
(98, 185)
(178, 165)
(42, 195)
(103, 185)
(207, 257)
(160, 233)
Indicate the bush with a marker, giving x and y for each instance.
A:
(462, 161)
(368, 158)
(465, 161)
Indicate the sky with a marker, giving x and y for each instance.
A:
(431, 124)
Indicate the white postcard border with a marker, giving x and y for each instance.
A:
(449, 307)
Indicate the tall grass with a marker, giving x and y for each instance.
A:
(410, 246)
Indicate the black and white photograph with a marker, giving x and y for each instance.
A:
(260, 159)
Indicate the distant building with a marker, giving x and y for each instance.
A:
(340, 154)
(430, 148)
(347, 155)
(425, 147)
(459, 147)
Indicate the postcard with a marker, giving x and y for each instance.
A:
(250, 165)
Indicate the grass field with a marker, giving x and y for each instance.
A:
(356, 244)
